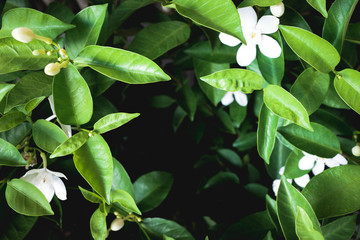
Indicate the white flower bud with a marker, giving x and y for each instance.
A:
(52, 69)
(278, 9)
(23, 34)
(117, 224)
(356, 151)
(39, 52)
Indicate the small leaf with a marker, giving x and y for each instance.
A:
(10, 120)
(90, 196)
(47, 135)
(113, 121)
(159, 227)
(304, 227)
(4, 89)
(230, 156)
(121, 179)
(320, 6)
(9, 155)
(125, 200)
(98, 226)
(17, 134)
(70, 145)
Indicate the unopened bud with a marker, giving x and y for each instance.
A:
(278, 9)
(39, 52)
(23, 34)
(49, 53)
(52, 69)
(356, 151)
(62, 52)
(117, 224)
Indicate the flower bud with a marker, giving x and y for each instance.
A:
(23, 34)
(117, 224)
(62, 52)
(356, 151)
(278, 9)
(52, 69)
(39, 52)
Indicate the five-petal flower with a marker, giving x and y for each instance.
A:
(317, 164)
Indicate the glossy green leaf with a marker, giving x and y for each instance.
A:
(304, 227)
(220, 53)
(220, 17)
(285, 105)
(310, 88)
(94, 162)
(121, 179)
(121, 65)
(88, 24)
(353, 33)
(16, 56)
(72, 98)
(348, 87)
(332, 98)
(336, 24)
(314, 50)
(9, 155)
(61, 11)
(324, 189)
(271, 210)
(151, 189)
(90, 196)
(10, 120)
(4, 89)
(98, 226)
(266, 132)
(158, 38)
(125, 200)
(41, 23)
(320, 6)
(113, 121)
(187, 100)
(230, 156)
(17, 134)
(260, 3)
(277, 158)
(47, 135)
(28, 107)
(292, 169)
(70, 145)
(288, 200)
(340, 229)
(24, 198)
(321, 142)
(235, 79)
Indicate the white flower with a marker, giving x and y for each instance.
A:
(117, 224)
(278, 9)
(317, 164)
(356, 151)
(254, 32)
(48, 182)
(300, 181)
(239, 97)
(23, 34)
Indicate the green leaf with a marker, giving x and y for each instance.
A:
(272, 212)
(17, 134)
(266, 133)
(121, 65)
(72, 98)
(236, 79)
(288, 200)
(321, 142)
(47, 135)
(340, 229)
(158, 38)
(222, 17)
(310, 88)
(121, 179)
(348, 87)
(220, 53)
(94, 162)
(17, 226)
(151, 189)
(88, 24)
(24, 198)
(113, 121)
(97, 82)
(292, 169)
(304, 227)
(187, 100)
(16, 56)
(98, 226)
(314, 50)
(277, 158)
(125, 200)
(230, 156)
(9, 155)
(4, 89)
(70, 145)
(10, 120)
(42, 24)
(245, 141)
(336, 24)
(353, 33)
(222, 178)
(324, 189)
(260, 3)
(285, 105)
(320, 6)
(90, 196)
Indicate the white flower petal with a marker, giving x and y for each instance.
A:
(340, 159)
(229, 40)
(331, 163)
(278, 9)
(58, 174)
(227, 99)
(59, 187)
(67, 129)
(303, 180)
(269, 47)
(275, 186)
(268, 24)
(282, 170)
(51, 101)
(319, 167)
(246, 54)
(47, 189)
(248, 17)
(241, 98)
(307, 162)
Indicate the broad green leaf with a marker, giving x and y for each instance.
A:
(158, 38)
(304, 227)
(97, 82)
(17, 226)
(230, 156)
(340, 229)
(125, 200)
(288, 200)
(72, 98)
(9, 155)
(24, 198)
(336, 24)
(332, 98)
(285, 105)
(16, 56)
(47, 135)
(220, 53)
(324, 189)
(310, 88)
(321, 142)
(17, 134)
(41, 23)
(94, 162)
(10, 120)
(61, 11)
(314, 50)
(70, 145)
(151, 189)
(121, 65)
(113, 121)
(28, 107)
(90, 196)
(4, 89)
(98, 226)
(220, 17)
(320, 6)
(292, 169)
(260, 3)
(159, 227)
(348, 87)
(235, 79)
(88, 24)
(121, 179)
(353, 33)
(266, 133)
